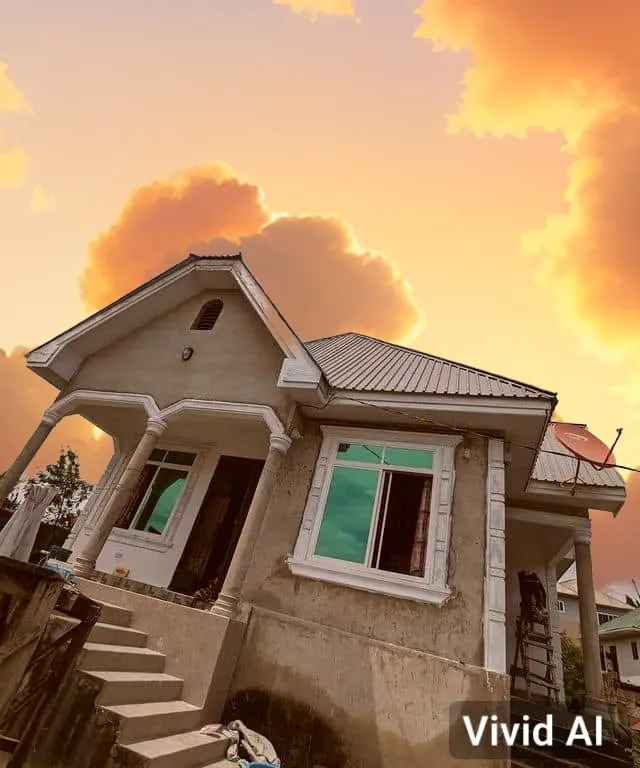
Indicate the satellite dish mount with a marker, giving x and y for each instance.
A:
(585, 447)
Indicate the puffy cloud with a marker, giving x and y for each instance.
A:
(312, 267)
(14, 161)
(23, 399)
(324, 283)
(42, 201)
(614, 544)
(11, 98)
(321, 7)
(575, 68)
(14, 166)
(160, 221)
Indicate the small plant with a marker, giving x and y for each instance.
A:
(573, 667)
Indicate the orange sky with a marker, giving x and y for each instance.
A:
(471, 163)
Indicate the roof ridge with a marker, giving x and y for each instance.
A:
(431, 356)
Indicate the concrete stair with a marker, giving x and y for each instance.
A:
(156, 728)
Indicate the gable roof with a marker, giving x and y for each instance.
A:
(630, 622)
(570, 589)
(552, 468)
(58, 359)
(353, 361)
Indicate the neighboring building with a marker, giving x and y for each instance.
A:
(327, 536)
(620, 647)
(608, 607)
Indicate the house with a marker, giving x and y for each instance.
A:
(620, 647)
(608, 607)
(325, 538)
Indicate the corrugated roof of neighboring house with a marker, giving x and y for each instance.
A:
(629, 621)
(363, 364)
(559, 469)
(570, 589)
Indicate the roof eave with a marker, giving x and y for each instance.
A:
(602, 498)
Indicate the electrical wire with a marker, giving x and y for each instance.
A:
(467, 432)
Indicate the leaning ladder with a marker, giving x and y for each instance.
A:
(532, 633)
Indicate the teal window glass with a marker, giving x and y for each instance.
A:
(348, 512)
(369, 454)
(408, 457)
(161, 500)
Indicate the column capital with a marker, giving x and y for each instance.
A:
(582, 533)
(50, 418)
(280, 443)
(156, 427)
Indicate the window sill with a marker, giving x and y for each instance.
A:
(387, 584)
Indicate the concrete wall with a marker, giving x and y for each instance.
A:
(237, 361)
(380, 670)
(570, 620)
(455, 629)
(344, 700)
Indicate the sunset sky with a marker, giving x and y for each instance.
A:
(465, 170)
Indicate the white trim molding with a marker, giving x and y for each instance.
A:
(69, 404)
(242, 410)
(433, 587)
(495, 622)
(572, 523)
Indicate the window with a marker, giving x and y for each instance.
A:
(634, 650)
(208, 316)
(603, 661)
(157, 493)
(378, 514)
(604, 617)
(561, 606)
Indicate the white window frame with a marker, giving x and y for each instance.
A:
(162, 542)
(561, 606)
(433, 587)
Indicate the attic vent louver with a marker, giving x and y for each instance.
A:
(207, 316)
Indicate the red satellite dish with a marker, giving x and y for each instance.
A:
(584, 445)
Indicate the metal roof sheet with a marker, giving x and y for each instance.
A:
(363, 364)
(552, 468)
(630, 621)
(570, 589)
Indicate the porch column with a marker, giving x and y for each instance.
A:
(227, 602)
(85, 563)
(33, 445)
(589, 627)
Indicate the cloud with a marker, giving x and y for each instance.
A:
(14, 161)
(24, 397)
(614, 544)
(11, 98)
(574, 68)
(42, 201)
(14, 166)
(315, 8)
(311, 266)
(158, 223)
(324, 282)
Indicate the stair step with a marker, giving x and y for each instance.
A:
(109, 634)
(114, 614)
(140, 722)
(120, 658)
(183, 750)
(135, 687)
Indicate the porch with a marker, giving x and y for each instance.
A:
(178, 510)
(543, 543)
